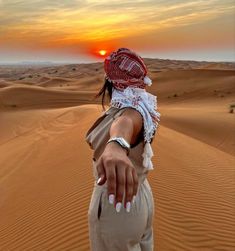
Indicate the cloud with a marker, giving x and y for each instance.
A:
(39, 4)
(68, 22)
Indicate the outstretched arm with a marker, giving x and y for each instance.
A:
(114, 166)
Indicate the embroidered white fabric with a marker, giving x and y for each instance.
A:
(146, 104)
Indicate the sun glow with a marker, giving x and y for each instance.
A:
(102, 52)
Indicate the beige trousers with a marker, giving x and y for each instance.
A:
(123, 231)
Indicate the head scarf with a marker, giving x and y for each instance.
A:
(128, 74)
(125, 68)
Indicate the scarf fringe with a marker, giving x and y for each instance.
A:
(147, 155)
(147, 81)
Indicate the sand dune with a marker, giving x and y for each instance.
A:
(194, 194)
(4, 83)
(45, 164)
(45, 187)
(55, 81)
(210, 125)
(194, 86)
(33, 96)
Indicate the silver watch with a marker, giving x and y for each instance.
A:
(122, 142)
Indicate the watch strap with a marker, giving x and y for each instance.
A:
(122, 142)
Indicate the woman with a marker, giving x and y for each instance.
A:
(121, 210)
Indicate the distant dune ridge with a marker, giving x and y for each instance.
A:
(45, 164)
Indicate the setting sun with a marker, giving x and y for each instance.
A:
(102, 52)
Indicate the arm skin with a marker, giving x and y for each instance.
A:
(114, 166)
(128, 125)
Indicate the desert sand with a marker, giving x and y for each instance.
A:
(46, 175)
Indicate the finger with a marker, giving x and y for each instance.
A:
(120, 189)
(135, 181)
(101, 172)
(129, 186)
(111, 181)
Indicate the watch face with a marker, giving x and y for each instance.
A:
(124, 142)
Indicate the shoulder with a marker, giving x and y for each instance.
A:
(132, 113)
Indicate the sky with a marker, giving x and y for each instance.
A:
(76, 30)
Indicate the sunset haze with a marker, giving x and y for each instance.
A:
(77, 30)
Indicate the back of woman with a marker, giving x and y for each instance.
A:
(121, 210)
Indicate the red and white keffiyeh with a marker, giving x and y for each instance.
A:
(127, 72)
(124, 68)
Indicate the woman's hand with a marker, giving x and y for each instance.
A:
(114, 165)
(116, 168)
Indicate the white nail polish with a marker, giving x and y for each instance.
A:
(128, 206)
(118, 206)
(133, 200)
(111, 198)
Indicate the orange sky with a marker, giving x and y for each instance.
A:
(75, 30)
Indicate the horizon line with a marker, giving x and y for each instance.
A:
(50, 62)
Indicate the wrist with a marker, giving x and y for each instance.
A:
(115, 146)
(121, 141)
